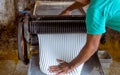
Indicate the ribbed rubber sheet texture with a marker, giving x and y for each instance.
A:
(63, 46)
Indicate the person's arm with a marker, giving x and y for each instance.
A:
(87, 51)
(75, 5)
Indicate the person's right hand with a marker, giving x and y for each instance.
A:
(62, 68)
(65, 12)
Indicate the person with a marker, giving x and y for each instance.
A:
(100, 14)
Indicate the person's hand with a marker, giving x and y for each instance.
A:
(65, 12)
(62, 68)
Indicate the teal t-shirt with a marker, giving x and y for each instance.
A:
(102, 14)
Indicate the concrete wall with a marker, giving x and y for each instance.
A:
(7, 11)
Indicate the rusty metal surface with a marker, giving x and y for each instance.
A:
(54, 8)
(91, 67)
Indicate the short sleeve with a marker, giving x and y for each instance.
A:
(95, 22)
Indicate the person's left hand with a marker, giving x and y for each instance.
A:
(62, 68)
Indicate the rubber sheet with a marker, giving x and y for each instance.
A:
(65, 46)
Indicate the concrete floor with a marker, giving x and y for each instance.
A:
(114, 69)
(12, 67)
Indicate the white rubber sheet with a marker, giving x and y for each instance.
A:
(60, 46)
